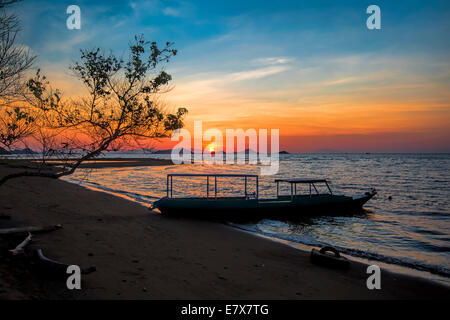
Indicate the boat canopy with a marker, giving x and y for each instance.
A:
(302, 180)
(294, 181)
(211, 176)
(169, 189)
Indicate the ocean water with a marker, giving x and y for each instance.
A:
(405, 227)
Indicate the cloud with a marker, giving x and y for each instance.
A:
(169, 11)
(69, 44)
(143, 8)
(274, 60)
(255, 74)
(201, 83)
(183, 9)
(346, 80)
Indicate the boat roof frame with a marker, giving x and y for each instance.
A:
(169, 190)
(293, 182)
(302, 180)
(211, 175)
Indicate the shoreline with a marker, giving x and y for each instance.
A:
(305, 248)
(146, 256)
(392, 268)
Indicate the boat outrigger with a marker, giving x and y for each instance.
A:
(250, 206)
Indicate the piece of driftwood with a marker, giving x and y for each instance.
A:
(59, 267)
(34, 229)
(20, 247)
(329, 257)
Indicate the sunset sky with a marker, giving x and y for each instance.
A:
(309, 68)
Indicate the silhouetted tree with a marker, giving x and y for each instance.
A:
(15, 60)
(122, 107)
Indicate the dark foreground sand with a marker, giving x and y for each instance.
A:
(143, 255)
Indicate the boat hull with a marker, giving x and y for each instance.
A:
(282, 208)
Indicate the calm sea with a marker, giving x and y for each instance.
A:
(406, 227)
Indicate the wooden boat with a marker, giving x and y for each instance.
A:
(251, 207)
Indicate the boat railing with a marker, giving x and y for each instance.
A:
(170, 176)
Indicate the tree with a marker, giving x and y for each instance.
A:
(15, 61)
(122, 106)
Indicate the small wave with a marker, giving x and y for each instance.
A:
(429, 232)
(421, 213)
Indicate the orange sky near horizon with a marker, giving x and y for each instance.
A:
(338, 114)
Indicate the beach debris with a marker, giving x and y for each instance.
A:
(21, 246)
(34, 229)
(5, 216)
(58, 267)
(390, 198)
(329, 257)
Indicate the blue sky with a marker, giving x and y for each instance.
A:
(245, 59)
(238, 29)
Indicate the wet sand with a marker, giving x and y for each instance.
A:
(140, 254)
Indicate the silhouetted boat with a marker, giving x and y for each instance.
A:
(250, 206)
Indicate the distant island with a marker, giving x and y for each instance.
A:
(328, 151)
(169, 151)
(3, 151)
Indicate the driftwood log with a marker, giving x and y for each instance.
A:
(34, 229)
(56, 267)
(21, 246)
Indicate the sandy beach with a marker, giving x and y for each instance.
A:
(140, 254)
